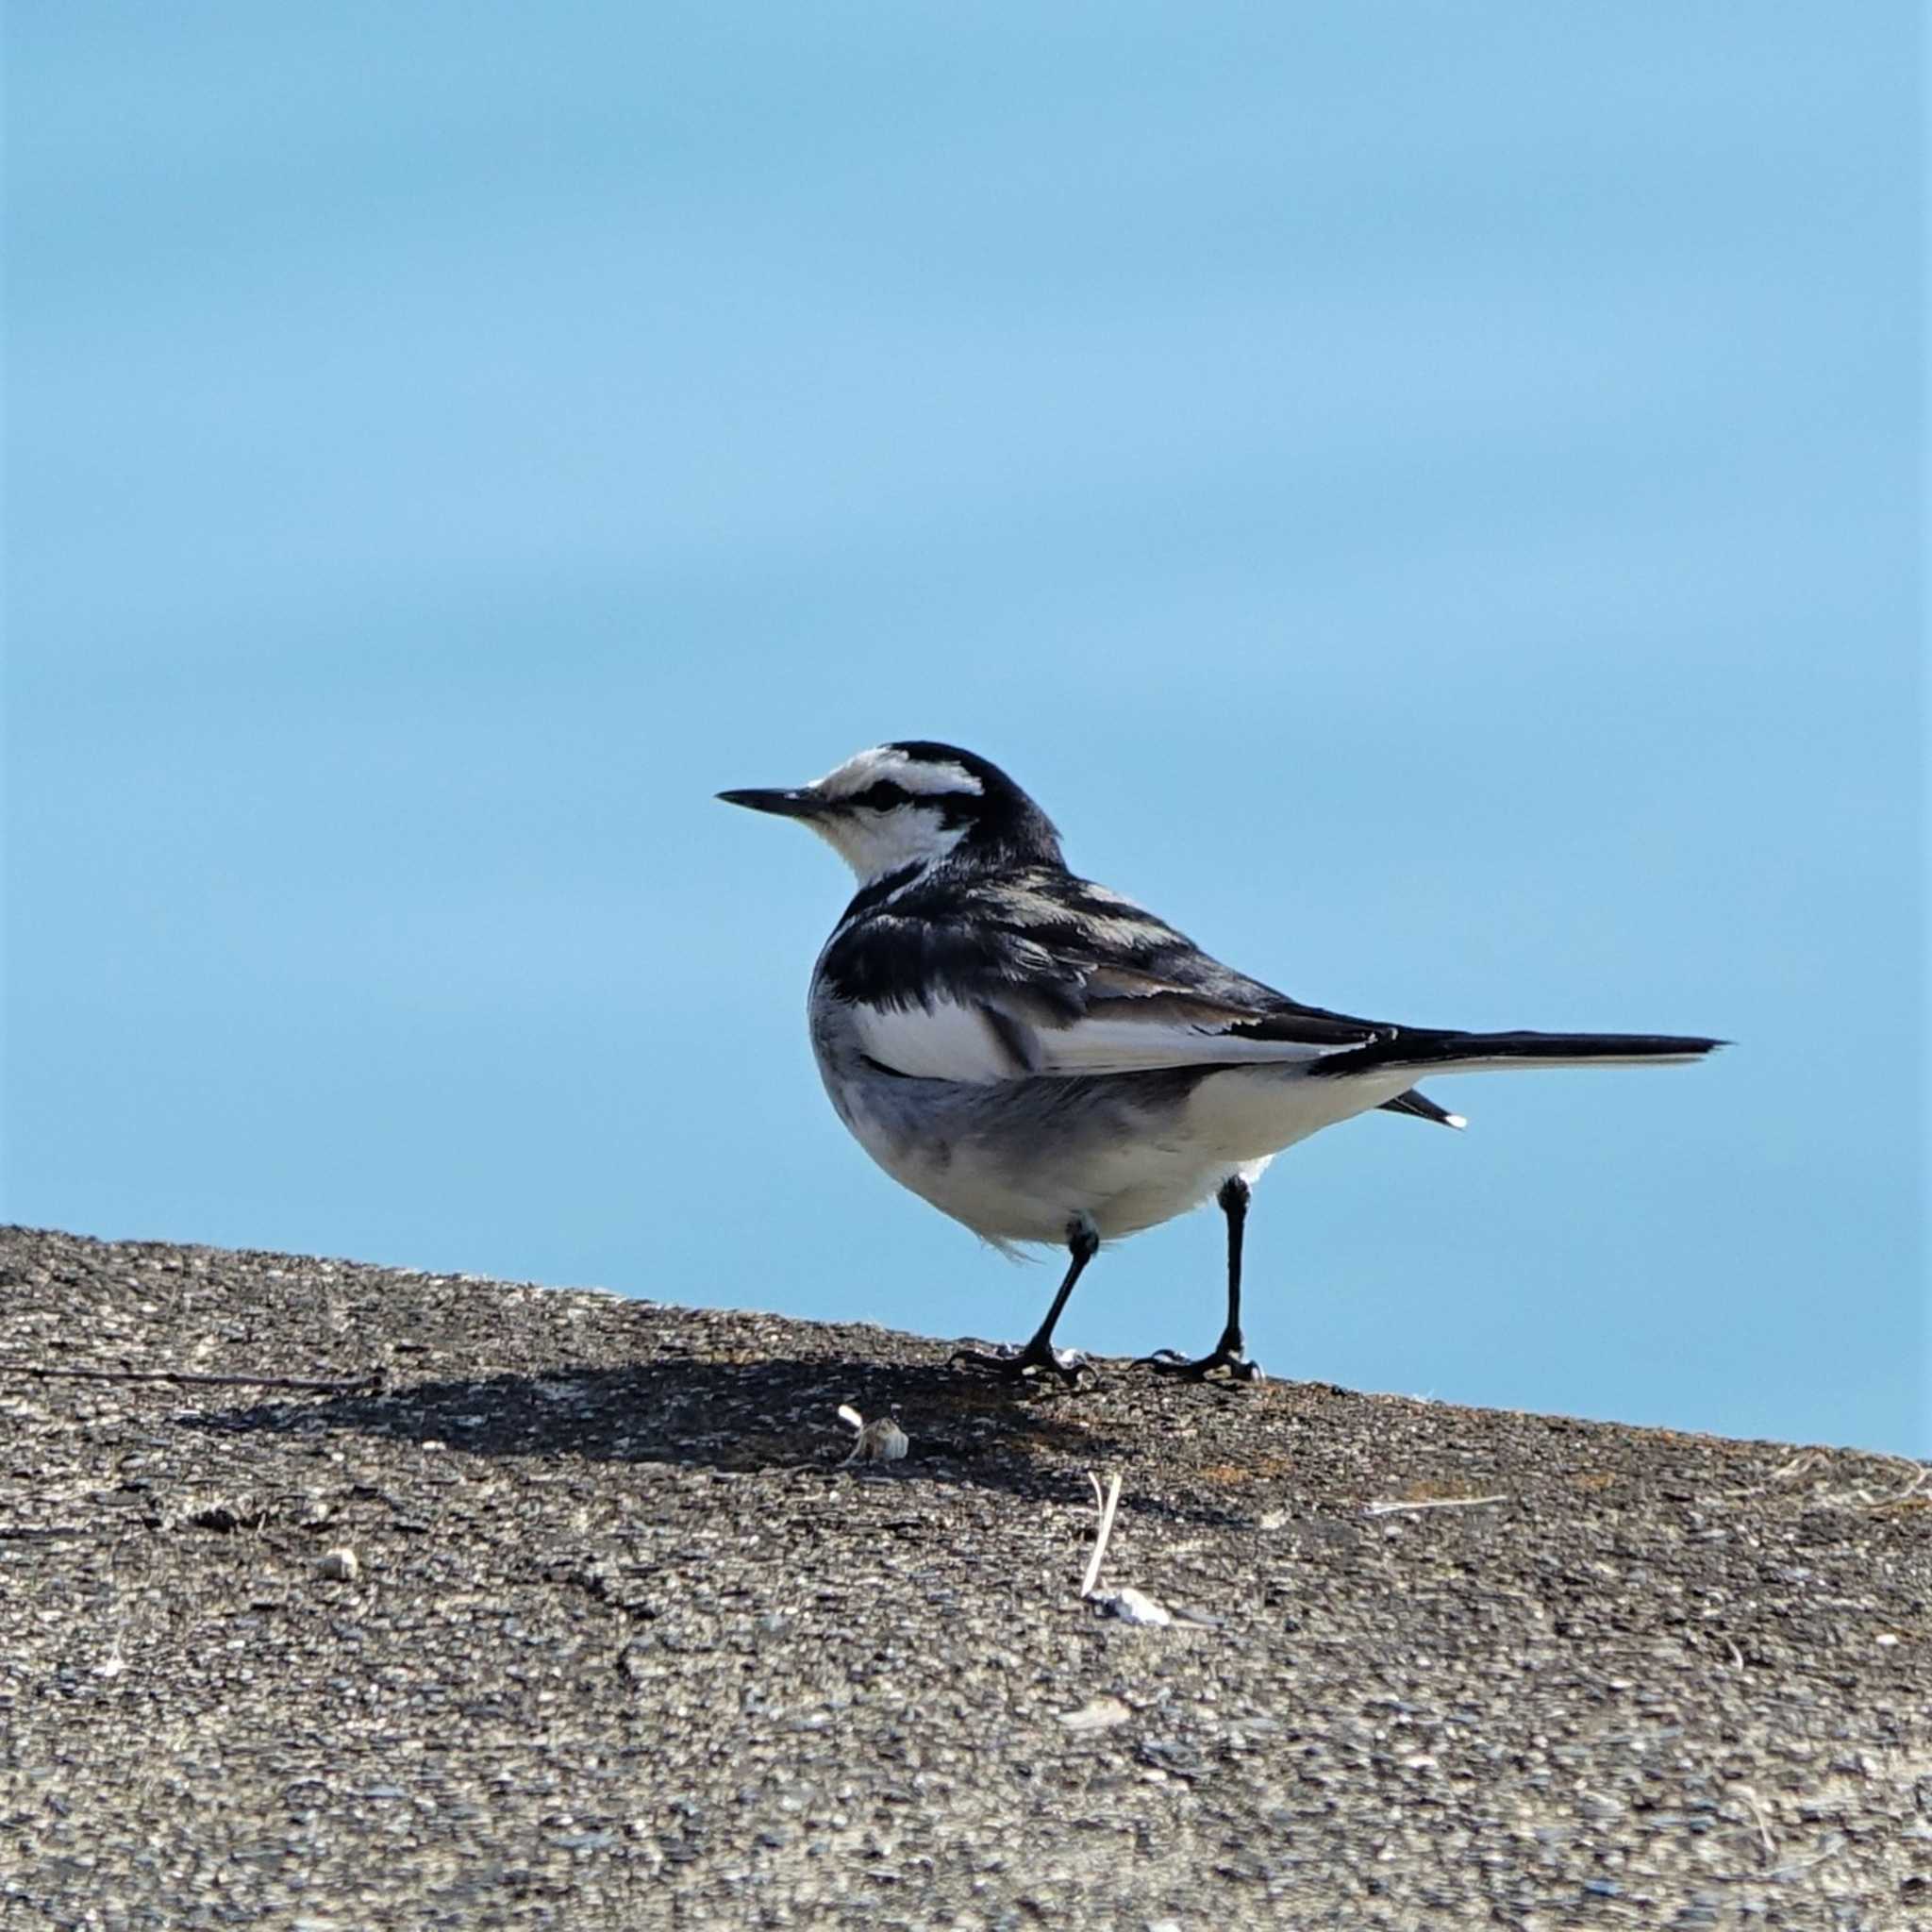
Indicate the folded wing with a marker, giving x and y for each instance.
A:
(1072, 980)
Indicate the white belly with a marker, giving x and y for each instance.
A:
(1013, 1170)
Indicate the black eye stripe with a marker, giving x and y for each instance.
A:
(882, 795)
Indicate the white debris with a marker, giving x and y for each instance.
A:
(1100, 1715)
(1131, 1607)
(879, 1440)
(339, 1566)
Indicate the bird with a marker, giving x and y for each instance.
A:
(1048, 1062)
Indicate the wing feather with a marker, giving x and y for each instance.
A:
(1027, 980)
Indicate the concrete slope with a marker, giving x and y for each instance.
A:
(575, 1619)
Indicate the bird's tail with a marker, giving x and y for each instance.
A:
(1426, 1049)
(1423, 1108)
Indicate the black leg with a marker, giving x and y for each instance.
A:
(1040, 1357)
(1230, 1351)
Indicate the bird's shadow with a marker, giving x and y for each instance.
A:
(773, 1413)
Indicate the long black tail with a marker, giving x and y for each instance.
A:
(1425, 1048)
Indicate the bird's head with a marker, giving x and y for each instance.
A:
(915, 804)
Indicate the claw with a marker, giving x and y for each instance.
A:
(1238, 1368)
(1066, 1365)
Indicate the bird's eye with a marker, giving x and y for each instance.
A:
(882, 796)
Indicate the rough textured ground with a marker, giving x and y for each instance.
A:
(628, 1647)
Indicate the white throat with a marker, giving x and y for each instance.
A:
(876, 848)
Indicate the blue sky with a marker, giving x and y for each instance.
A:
(1428, 498)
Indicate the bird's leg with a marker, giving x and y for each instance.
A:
(1040, 1357)
(1229, 1351)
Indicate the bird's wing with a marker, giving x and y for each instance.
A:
(1059, 979)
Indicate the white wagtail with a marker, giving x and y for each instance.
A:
(1045, 1061)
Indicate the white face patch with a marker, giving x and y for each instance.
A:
(877, 838)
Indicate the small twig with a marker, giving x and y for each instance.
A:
(1860, 1497)
(1108, 1504)
(1801, 1464)
(1430, 1503)
(370, 1379)
(1130, 1606)
(39, 1532)
(1796, 1868)
(1749, 1798)
(1922, 1474)
(1857, 1496)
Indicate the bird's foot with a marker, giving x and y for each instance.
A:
(1229, 1358)
(1038, 1361)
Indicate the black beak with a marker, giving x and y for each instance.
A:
(799, 803)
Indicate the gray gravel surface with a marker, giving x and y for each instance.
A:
(577, 1620)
